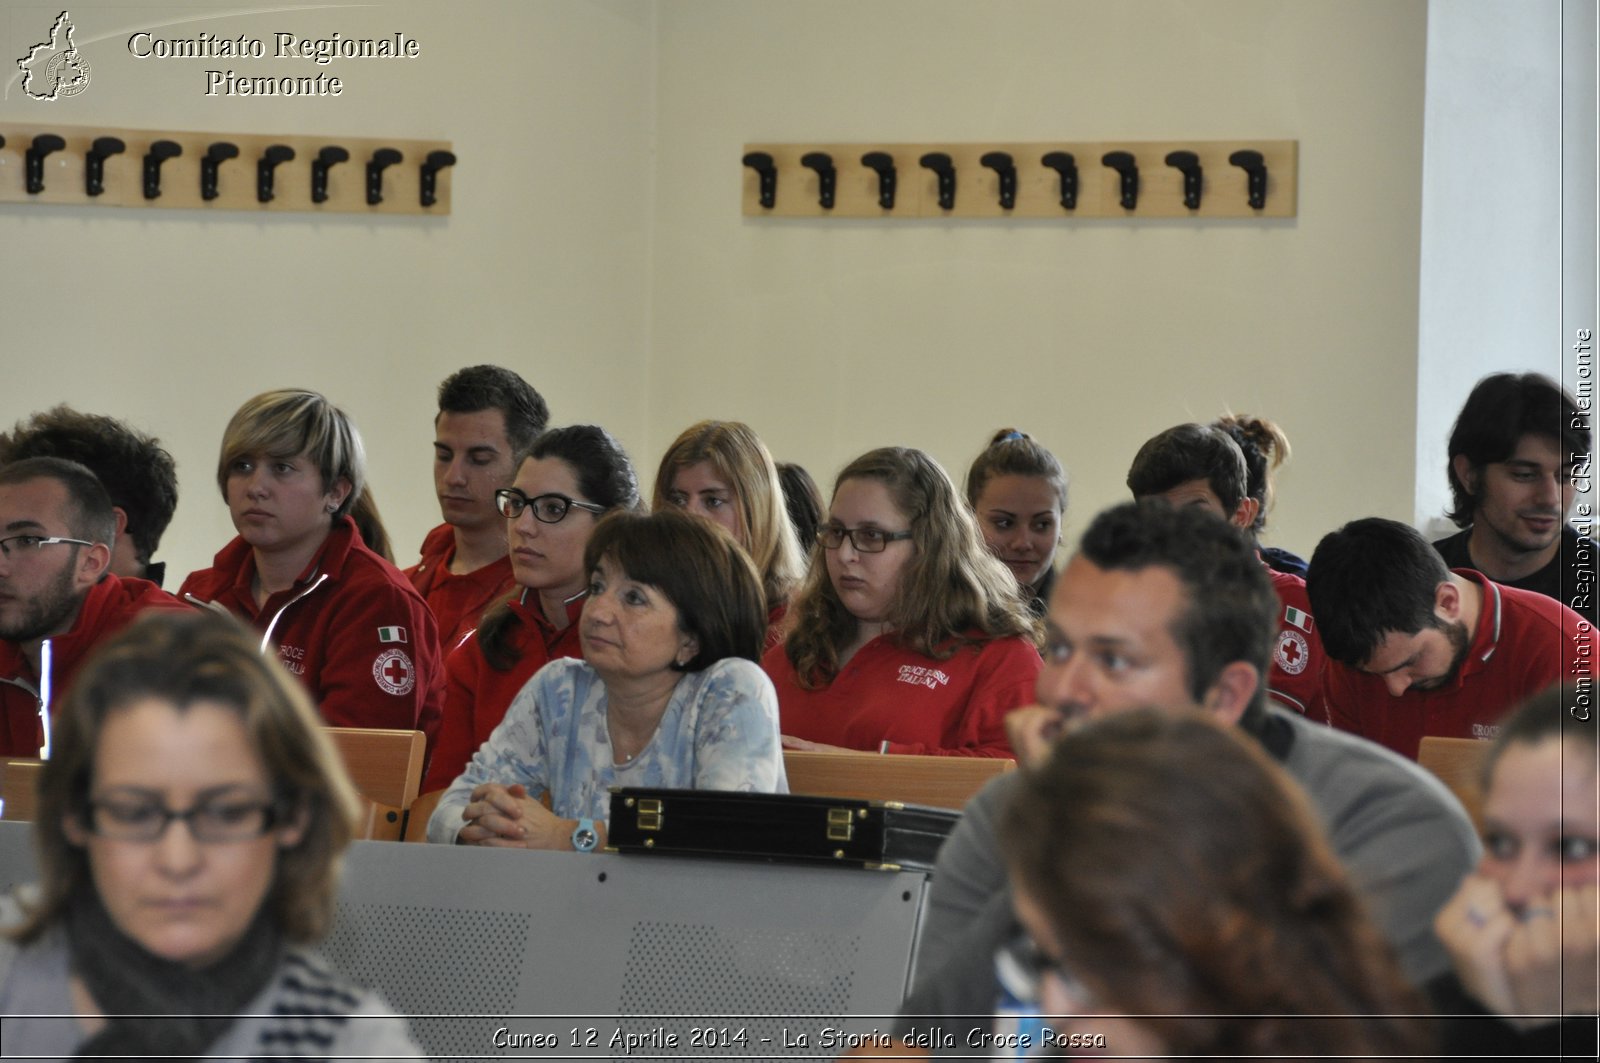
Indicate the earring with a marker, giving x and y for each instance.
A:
(333, 507)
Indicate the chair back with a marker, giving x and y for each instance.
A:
(386, 768)
(419, 813)
(940, 782)
(19, 782)
(1458, 763)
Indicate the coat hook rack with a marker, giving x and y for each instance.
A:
(1188, 164)
(94, 163)
(1066, 168)
(1255, 169)
(1129, 181)
(381, 160)
(159, 152)
(827, 176)
(50, 165)
(882, 163)
(942, 165)
(216, 155)
(43, 145)
(436, 161)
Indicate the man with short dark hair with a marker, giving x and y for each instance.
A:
(488, 417)
(136, 471)
(1516, 450)
(1201, 465)
(57, 598)
(1415, 649)
(1170, 608)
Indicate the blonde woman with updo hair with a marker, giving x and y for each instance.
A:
(908, 635)
(1265, 448)
(722, 471)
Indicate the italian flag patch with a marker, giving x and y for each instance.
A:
(391, 634)
(1300, 620)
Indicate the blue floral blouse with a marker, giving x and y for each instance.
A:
(720, 732)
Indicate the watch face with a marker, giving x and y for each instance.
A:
(584, 839)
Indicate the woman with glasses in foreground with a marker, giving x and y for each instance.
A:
(1524, 929)
(668, 694)
(908, 635)
(190, 825)
(569, 478)
(1179, 899)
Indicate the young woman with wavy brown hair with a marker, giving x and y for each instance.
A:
(908, 636)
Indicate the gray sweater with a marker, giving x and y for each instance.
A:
(1403, 837)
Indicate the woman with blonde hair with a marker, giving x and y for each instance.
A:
(177, 940)
(722, 471)
(1265, 448)
(341, 618)
(908, 636)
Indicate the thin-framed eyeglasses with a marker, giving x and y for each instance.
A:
(547, 509)
(220, 820)
(26, 544)
(1021, 967)
(865, 539)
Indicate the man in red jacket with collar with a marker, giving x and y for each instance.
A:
(1416, 649)
(487, 417)
(57, 599)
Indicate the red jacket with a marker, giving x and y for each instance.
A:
(1294, 679)
(1524, 642)
(477, 696)
(109, 606)
(354, 631)
(458, 602)
(889, 699)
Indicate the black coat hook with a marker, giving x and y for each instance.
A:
(382, 158)
(1188, 164)
(159, 152)
(1001, 163)
(270, 160)
(1124, 164)
(436, 161)
(326, 159)
(43, 144)
(216, 155)
(761, 163)
(940, 163)
(827, 176)
(1255, 169)
(1064, 164)
(94, 163)
(883, 163)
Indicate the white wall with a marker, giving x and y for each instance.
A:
(597, 244)
(171, 318)
(831, 337)
(1491, 218)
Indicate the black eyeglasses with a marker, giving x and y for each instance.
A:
(24, 544)
(547, 509)
(229, 820)
(866, 540)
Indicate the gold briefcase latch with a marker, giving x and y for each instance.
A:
(841, 824)
(649, 813)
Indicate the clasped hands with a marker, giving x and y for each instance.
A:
(1526, 966)
(506, 817)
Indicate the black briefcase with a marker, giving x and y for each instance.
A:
(880, 835)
